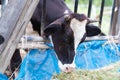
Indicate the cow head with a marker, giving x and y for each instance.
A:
(67, 32)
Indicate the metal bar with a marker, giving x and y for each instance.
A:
(38, 42)
(101, 12)
(43, 17)
(89, 7)
(101, 38)
(41, 40)
(112, 17)
(13, 22)
(117, 29)
(118, 20)
(76, 6)
(32, 45)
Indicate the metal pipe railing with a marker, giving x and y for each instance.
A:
(101, 12)
(76, 6)
(43, 17)
(112, 17)
(89, 8)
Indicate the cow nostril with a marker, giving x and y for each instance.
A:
(66, 68)
(69, 69)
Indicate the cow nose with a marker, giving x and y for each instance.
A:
(66, 68)
(69, 69)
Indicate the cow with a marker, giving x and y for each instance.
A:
(14, 64)
(66, 29)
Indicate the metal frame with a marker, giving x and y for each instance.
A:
(114, 28)
(43, 17)
(12, 27)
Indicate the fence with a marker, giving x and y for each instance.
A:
(13, 22)
(114, 24)
(115, 15)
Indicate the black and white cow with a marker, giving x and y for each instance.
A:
(14, 64)
(67, 30)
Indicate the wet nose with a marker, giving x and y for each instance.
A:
(69, 69)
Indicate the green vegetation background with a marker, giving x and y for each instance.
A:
(96, 2)
(83, 8)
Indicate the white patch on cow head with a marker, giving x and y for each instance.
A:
(66, 67)
(79, 30)
(66, 12)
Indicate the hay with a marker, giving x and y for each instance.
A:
(110, 72)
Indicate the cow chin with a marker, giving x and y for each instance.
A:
(66, 67)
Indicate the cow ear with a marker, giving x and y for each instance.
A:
(92, 30)
(52, 28)
(56, 25)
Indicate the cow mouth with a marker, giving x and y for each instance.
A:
(67, 68)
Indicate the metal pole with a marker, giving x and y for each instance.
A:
(101, 12)
(117, 31)
(76, 6)
(118, 25)
(43, 17)
(112, 17)
(89, 8)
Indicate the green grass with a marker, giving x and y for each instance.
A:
(107, 73)
(87, 75)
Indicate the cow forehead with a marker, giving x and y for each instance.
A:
(79, 30)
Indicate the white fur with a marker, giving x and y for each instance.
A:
(64, 66)
(78, 30)
(66, 12)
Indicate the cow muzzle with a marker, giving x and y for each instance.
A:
(67, 67)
